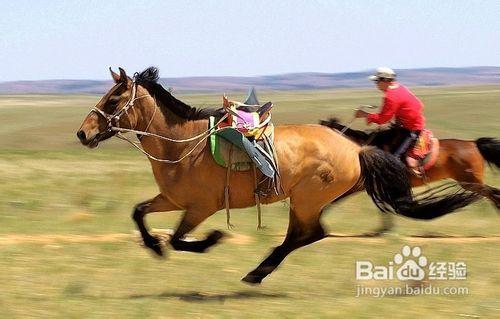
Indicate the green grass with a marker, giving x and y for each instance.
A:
(51, 185)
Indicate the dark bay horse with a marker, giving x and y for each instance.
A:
(317, 165)
(460, 160)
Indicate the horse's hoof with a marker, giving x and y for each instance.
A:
(157, 249)
(154, 244)
(252, 279)
(214, 237)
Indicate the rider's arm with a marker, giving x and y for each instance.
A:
(388, 110)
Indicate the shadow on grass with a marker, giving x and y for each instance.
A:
(364, 235)
(196, 296)
(416, 236)
(441, 235)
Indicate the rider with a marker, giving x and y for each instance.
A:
(398, 102)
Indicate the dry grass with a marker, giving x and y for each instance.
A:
(68, 249)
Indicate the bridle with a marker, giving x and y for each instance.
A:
(117, 130)
(117, 114)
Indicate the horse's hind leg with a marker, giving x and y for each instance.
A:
(472, 180)
(495, 196)
(156, 204)
(190, 220)
(490, 192)
(302, 230)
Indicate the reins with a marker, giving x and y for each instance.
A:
(348, 126)
(191, 139)
(135, 144)
(201, 137)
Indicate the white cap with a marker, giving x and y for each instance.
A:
(384, 73)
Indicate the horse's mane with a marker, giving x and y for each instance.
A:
(334, 123)
(381, 137)
(149, 80)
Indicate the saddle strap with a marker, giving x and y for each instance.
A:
(257, 198)
(226, 189)
(226, 195)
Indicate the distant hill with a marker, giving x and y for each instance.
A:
(291, 81)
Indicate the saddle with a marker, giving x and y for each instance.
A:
(245, 137)
(245, 140)
(424, 154)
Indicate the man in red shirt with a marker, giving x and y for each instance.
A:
(400, 103)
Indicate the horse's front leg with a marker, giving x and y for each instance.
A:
(156, 204)
(191, 219)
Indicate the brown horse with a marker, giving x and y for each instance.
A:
(317, 165)
(460, 160)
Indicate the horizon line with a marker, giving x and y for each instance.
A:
(262, 75)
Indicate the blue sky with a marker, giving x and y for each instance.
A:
(80, 39)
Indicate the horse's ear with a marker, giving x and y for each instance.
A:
(225, 102)
(123, 75)
(124, 78)
(114, 75)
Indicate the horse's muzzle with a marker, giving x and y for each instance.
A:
(81, 135)
(89, 142)
(92, 142)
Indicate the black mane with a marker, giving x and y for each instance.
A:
(334, 123)
(379, 138)
(149, 80)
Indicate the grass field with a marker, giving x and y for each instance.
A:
(67, 247)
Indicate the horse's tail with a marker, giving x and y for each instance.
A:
(386, 181)
(489, 148)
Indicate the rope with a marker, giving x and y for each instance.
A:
(152, 117)
(202, 137)
(194, 138)
(123, 137)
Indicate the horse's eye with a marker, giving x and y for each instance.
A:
(113, 102)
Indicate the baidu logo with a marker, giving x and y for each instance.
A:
(410, 264)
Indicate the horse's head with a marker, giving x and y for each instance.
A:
(97, 126)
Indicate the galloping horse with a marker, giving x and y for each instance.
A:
(317, 165)
(460, 160)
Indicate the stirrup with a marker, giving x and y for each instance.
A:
(417, 171)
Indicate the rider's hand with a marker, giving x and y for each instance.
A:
(360, 114)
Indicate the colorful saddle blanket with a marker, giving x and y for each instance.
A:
(425, 152)
(250, 120)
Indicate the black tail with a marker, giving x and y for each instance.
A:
(490, 150)
(386, 181)
(495, 197)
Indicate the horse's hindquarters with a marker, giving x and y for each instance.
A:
(316, 163)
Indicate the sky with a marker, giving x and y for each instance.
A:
(81, 39)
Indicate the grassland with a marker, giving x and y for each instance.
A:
(67, 248)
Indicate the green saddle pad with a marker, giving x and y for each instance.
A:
(243, 155)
